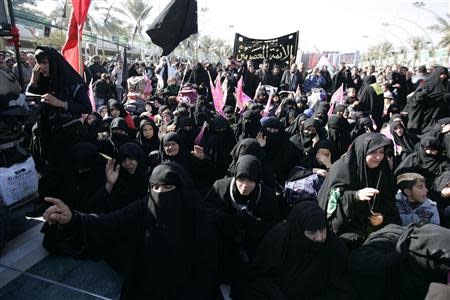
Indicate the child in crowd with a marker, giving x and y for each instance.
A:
(412, 202)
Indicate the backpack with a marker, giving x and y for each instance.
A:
(303, 189)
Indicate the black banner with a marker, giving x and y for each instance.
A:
(280, 50)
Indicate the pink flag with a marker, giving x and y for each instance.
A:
(245, 99)
(148, 85)
(218, 98)
(387, 133)
(199, 137)
(374, 125)
(265, 113)
(91, 96)
(338, 97)
(239, 94)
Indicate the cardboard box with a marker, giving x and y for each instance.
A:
(18, 181)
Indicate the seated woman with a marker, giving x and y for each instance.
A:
(358, 194)
(301, 259)
(125, 182)
(196, 163)
(172, 251)
(243, 210)
(305, 181)
(427, 160)
(404, 141)
(147, 136)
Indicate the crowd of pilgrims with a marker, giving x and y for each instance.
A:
(298, 204)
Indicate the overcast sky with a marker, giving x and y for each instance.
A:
(326, 25)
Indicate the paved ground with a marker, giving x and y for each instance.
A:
(27, 271)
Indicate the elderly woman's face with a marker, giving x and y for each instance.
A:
(171, 148)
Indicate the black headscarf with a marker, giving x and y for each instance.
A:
(427, 165)
(182, 153)
(291, 266)
(84, 156)
(248, 166)
(304, 141)
(170, 247)
(311, 161)
(248, 146)
(219, 144)
(187, 135)
(351, 173)
(199, 76)
(249, 125)
(133, 151)
(148, 145)
(338, 133)
(408, 140)
(63, 80)
(429, 102)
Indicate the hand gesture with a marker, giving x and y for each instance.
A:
(198, 152)
(112, 174)
(52, 100)
(171, 128)
(58, 213)
(366, 194)
(262, 140)
(446, 128)
(445, 192)
(323, 160)
(36, 71)
(320, 172)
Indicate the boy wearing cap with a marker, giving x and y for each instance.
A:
(412, 202)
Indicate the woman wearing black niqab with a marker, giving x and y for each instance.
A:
(309, 134)
(243, 209)
(281, 153)
(219, 143)
(358, 193)
(429, 102)
(339, 133)
(291, 265)
(172, 250)
(371, 100)
(248, 126)
(117, 137)
(188, 131)
(427, 160)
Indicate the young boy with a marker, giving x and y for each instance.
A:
(412, 202)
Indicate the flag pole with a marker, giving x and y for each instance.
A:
(79, 38)
(182, 80)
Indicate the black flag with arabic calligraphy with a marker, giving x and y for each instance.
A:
(280, 50)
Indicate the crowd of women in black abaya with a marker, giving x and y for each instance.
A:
(299, 204)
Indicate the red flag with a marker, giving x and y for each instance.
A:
(71, 49)
(129, 121)
(91, 96)
(338, 97)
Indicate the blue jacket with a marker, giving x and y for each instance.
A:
(313, 81)
(426, 212)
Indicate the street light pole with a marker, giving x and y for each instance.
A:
(423, 29)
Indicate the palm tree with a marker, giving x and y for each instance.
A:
(417, 43)
(136, 11)
(207, 46)
(385, 50)
(443, 27)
